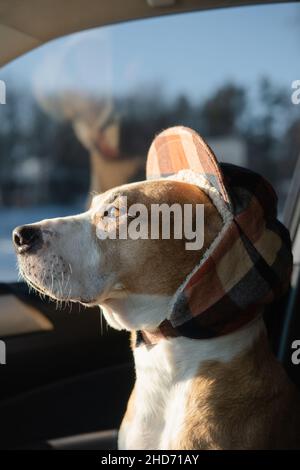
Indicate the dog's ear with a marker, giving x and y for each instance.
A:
(211, 218)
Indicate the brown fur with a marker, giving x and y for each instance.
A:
(248, 403)
(168, 259)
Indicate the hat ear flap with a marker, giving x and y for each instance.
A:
(180, 148)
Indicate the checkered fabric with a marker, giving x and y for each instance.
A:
(251, 264)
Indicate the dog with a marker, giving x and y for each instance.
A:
(204, 380)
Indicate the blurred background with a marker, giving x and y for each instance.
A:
(82, 110)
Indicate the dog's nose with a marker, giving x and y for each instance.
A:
(26, 237)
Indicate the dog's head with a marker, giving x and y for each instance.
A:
(132, 279)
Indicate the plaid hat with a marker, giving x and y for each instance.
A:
(249, 263)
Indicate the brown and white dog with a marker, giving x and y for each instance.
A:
(225, 392)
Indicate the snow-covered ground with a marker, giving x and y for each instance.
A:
(11, 218)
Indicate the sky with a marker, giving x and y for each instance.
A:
(192, 53)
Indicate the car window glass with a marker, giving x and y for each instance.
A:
(81, 111)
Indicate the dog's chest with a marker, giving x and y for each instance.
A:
(159, 401)
(161, 407)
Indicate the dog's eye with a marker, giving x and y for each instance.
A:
(112, 212)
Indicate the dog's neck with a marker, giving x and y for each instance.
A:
(148, 316)
(184, 351)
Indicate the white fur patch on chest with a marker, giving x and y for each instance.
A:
(165, 373)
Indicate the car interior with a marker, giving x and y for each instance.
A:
(68, 376)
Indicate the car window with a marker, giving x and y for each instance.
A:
(80, 112)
